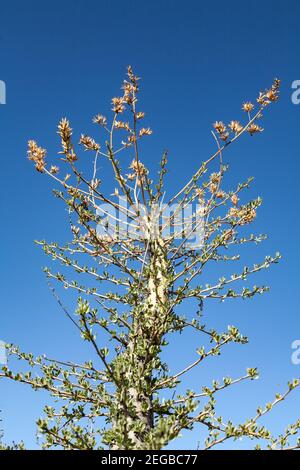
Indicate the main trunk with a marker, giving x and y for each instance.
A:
(133, 423)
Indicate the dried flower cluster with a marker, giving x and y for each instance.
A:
(65, 132)
(99, 119)
(37, 155)
(245, 214)
(89, 143)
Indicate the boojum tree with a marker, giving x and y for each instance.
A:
(142, 258)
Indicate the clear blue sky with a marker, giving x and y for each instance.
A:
(199, 61)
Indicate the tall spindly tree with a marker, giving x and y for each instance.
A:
(138, 263)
